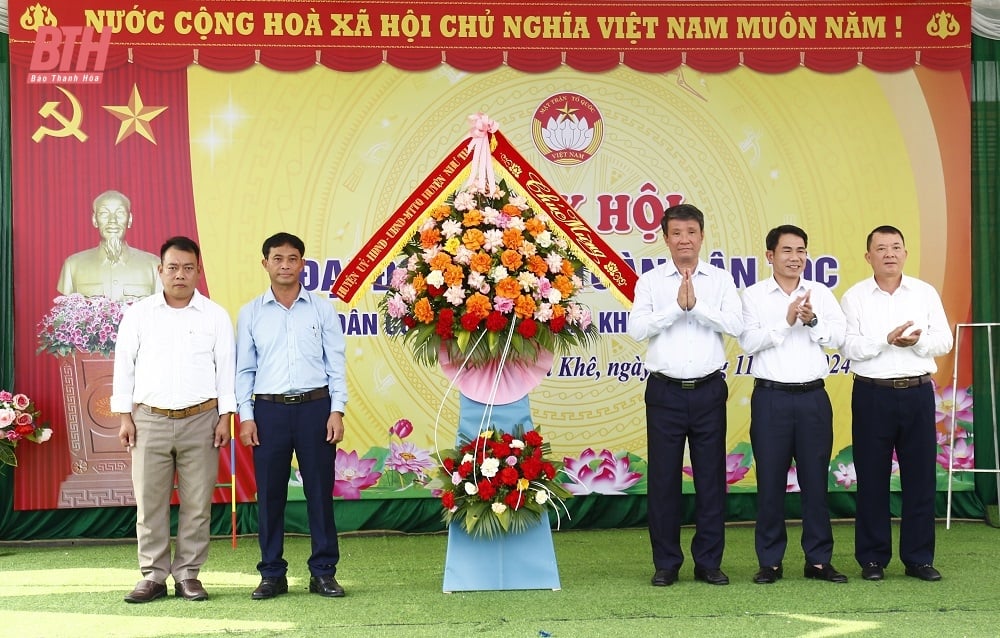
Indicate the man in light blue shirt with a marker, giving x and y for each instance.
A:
(291, 392)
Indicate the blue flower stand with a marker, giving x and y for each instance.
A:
(514, 561)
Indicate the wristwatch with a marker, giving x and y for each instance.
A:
(812, 323)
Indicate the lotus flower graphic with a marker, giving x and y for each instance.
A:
(568, 134)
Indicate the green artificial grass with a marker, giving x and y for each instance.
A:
(394, 584)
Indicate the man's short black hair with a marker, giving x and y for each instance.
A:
(884, 230)
(182, 243)
(683, 212)
(773, 235)
(283, 239)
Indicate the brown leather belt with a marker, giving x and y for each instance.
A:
(789, 387)
(292, 399)
(184, 413)
(900, 383)
(687, 384)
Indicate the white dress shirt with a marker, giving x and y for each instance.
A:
(685, 344)
(173, 358)
(784, 353)
(873, 313)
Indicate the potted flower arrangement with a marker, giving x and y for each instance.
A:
(485, 275)
(500, 483)
(80, 324)
(19, 422)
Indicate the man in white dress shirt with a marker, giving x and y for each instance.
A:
(788, 321)
(683, 307)
(174, 378)
(895, 327)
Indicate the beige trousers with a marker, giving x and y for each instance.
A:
(165, 448)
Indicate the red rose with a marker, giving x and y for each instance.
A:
(532, 468)
(448, 500)
(496, 322)
(533, 438)
(500, 449)
(24, 430)
(449, 464)
(514, 499)
(486, 490)
(508, 476)
(557, 323)
(527, 328)
(470, 321)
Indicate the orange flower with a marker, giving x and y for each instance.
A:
(537, 265)
(430, 238)
(564, 285)
(419, 283)
(478, 305)
(534, 226)
(512, 238)
(422, 310)
(508, 287)
(511, 259)
(511, 210)
(567, 268)
(440, 261)
(480, 262)
(472, 217)
(453, 275)
(473, 239)
(524, 306)
(441, 212)
(558, 310)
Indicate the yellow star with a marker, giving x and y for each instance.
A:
(567, 113)
(135, 117)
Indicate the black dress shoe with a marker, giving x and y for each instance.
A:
(767, 575)
(711, 576)
(326, 586)
(269, 587)
(190, 589)
(824, 572)
(923, 572)
(664, 577)
(873, 571)
(146, 591)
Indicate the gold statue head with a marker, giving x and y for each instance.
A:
(112, 215)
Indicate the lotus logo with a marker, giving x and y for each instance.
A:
(567, 129)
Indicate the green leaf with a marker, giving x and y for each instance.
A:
(7, 456)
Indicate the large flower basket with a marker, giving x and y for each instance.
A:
(100, 470)
(525, 560)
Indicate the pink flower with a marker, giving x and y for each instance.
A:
(7, 416)
(846, 475)
(599, 473)
(406, 457)
(792, 482)
(353, 474)
(963, 456)
(20, 401)
(944, 402)
(735, 470)
(5, 396)
(401, 428)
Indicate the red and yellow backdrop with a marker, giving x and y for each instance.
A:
(229, 121)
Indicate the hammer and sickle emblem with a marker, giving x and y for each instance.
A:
(70, 126)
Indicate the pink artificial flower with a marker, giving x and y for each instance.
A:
(20, 401)
(353, 474)
(846, 475)
(5, 396)
(7, 416)
(792, 482)
(407, 457)
(611, 475)
(944, 402)
(963, 456)
(401, 428)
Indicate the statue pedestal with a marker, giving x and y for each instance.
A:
(514, 561)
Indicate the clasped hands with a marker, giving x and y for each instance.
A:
(800, 310)
(685, 294)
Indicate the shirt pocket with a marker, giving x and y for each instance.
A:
(310, 341)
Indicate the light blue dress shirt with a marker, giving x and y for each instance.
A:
(288, 350)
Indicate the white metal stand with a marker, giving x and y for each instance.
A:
(993, 402)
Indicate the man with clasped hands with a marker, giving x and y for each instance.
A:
(682, 308)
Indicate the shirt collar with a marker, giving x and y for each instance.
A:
(303, 296)
(771, 284)
(872, 285)
(197, 301)
(672, 267)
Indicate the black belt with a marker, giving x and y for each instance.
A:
(292, 399)
(899, 383)
(184, 413)
(789, 387)
(688, 384)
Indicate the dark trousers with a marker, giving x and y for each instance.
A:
(784, 426)
(281, 430)
(675, 415)
(887, 418)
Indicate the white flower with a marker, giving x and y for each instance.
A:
(518, 200)
(516, 222)
(463, 256)
(490, 467)
(450, 228)
(468, 458)
(408, 293)
(544, 239)
(554, 296)
(544, 312)
(541, 496)
(529, 249)
(498, 508)
(41, 436)
(464, 201)
(7, 417)
(493, 240)
(527, 281)
(554, 262)
(428, 224)
(476, 280)
(490, 216)
(455, 295)
(471, 488)
(435, 278)
(499, 273)
(517, 443)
